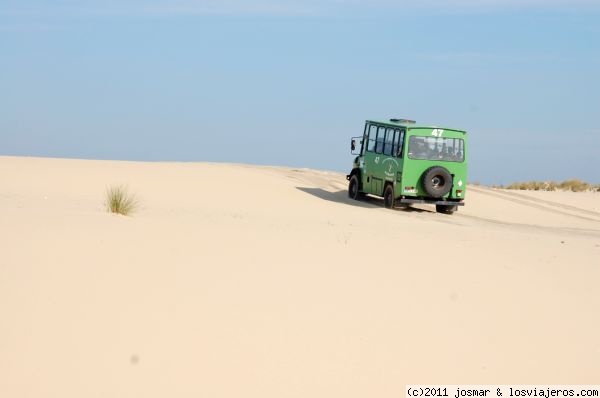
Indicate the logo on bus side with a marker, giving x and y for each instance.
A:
(392, 164)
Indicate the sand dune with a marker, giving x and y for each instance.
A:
(247, 281)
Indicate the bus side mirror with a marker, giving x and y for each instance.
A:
(353, 145)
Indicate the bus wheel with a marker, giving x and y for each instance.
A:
(353, 191)
(388, 196)
(446, 209)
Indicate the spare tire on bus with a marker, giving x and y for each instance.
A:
(437, 181)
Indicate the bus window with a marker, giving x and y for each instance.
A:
(371, 138)
(380, 140)
(389, 141)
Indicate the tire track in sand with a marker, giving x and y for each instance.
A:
(545, 205)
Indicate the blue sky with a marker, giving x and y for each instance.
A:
(289, 82)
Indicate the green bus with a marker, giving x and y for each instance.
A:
(405, 163)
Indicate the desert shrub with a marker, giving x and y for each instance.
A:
(527, 186)
(120, 201)
(574, 185)
(551, 186)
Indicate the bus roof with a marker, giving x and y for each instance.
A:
(410, 125)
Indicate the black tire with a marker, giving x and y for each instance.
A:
(446, 209)
(437, 181)
(388, 196)
(354, 188)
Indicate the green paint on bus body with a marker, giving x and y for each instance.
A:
(400, 154)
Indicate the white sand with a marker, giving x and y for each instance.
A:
(246, 281)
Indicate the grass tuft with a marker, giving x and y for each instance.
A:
(120, 201)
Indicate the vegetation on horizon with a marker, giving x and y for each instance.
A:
(120, 201)
(573, 185)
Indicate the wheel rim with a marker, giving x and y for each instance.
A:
(437, 182)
